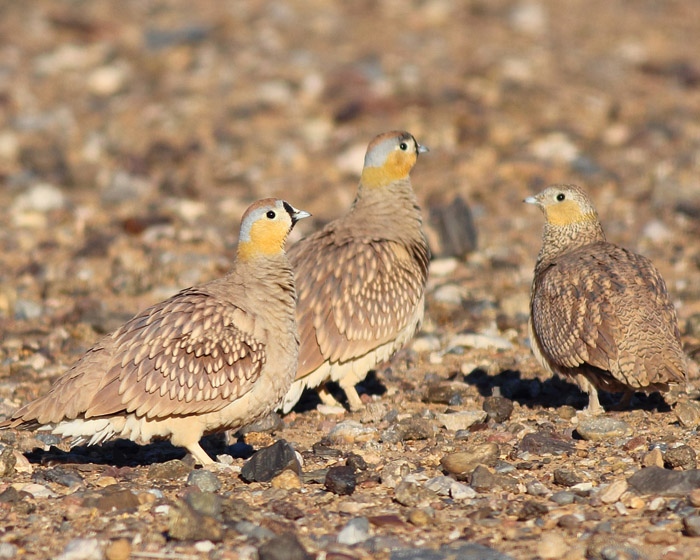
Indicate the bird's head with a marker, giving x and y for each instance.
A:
(565, 205)
(265, 226)
(390, 157)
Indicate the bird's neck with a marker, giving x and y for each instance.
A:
(560, 239)
(389, 210)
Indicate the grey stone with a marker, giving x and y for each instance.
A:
(26, 310)
(498, 409)
(663, 482)
(536, 488)
(691, 525)
(460, 420)
(448, 486)
(414, 428)
(205, 503)
(563, 497)
(186, 524)
(205, 480)
(341, 480)
(484, 480)
(411, 494)
(249, 529)
(455, 228)
(283, 547)
(394, 471)
(532, 510)
(546, 443)
(602, 428)
(62, 476)
(8, 551)
(567, 477)
(270, 461)
(355, 531)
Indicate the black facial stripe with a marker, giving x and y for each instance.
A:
(289, 209)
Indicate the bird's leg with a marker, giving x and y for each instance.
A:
(593, 407)
(347, 384)
(200, 456)
(326, 397)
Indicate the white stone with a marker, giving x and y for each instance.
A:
(461, 420)
(442, 267)
(477, 340)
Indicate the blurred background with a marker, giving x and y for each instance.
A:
(133, 134)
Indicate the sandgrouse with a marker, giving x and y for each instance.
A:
(598, 312)
(212, 357)
(360, 280)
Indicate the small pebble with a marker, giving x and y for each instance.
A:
(355, 531)
(567, 477)
(118, 550)
(205, 480)
(653, 458)
(551, 545)
(612, 492)
(691, 525)
(341, 480)
(498, 409)
(283, 547)
(694, 497)
(688, 414)
(81, 549)
(8, 550)
(286, 480)
(682, 456)
(562, 498)
(460, 420)
(420, 517)
(463, 463)
(270, 461)
(351, 431)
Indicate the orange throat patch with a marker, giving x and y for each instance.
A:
(567, 213)
(397, 166)
(266, 238)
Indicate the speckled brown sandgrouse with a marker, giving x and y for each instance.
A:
(212, 357)
(598, 312)
(360, 280)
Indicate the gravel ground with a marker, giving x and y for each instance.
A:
(134, 134)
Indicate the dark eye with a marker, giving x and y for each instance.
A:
(403, 146)
(561, 197)
(270, 214)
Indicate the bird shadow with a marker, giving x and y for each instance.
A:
(370, 385)
(553, 392)
(125, 453)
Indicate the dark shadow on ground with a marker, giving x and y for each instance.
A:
(553, 392)
(370, 385)
(125, 453)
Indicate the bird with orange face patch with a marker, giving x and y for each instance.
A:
(213, 357)
(360, 280)
(599, 313)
